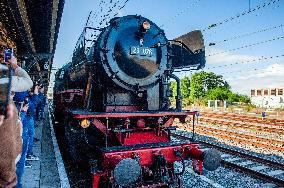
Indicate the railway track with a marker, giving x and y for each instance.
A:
(228, 131)
(239, 138)
(244, 125)
(268, 121)
(267, 170)
(267, 143)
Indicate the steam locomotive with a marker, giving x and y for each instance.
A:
(113, 102)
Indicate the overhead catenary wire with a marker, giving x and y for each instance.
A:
(271, 2)
(242, 21)
(121, 7)
(245, 70)
(244, 62)
(273, 67)
(236, 63)
(106, 17)
(245, 35)
(181, 12)
(247, 46)
(255, 71)
(101, 17)
(105, 12)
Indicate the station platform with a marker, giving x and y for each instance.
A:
(49, 171)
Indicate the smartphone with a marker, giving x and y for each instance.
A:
(24, 103)
(8, 54)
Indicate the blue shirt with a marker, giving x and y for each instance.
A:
(33, 100)
(41, 100)
(19, 98)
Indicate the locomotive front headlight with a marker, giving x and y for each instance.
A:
(85, 123)
(146, 25)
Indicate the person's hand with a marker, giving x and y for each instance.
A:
(25, 108)
(1, 119)
(36, 90)
(10, 113)
(13, 63)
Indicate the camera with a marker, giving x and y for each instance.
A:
(8, 54)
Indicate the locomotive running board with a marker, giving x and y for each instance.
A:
(81, 114)
(143, 146)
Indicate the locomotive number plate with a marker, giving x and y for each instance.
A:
(143, 51)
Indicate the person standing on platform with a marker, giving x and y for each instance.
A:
(10, 129)
(10, 147)
(30, 122)
(41, 103)
(21, 163)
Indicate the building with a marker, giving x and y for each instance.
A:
(268, 98)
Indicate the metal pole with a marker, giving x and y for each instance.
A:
(106, 131)
(193, 125)
(249, 5)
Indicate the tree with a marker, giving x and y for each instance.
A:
(244, 99)
(204, 86)
(201, 82)
(226, 94)
(173, 87)
(185, 90)
(218, 94)
(185, 87)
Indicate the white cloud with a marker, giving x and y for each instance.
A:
(241, 79)
(226, 57)
(273, 70)
(269, 77)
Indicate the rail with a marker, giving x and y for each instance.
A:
(244, 169)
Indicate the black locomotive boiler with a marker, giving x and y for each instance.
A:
(113, 102)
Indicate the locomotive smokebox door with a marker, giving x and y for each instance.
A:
(130, 57)
(188, 51)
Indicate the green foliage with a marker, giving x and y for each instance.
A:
(185, 87)
(173, 86)
(201, 82)
(244, 99)
(185, 90)
(204, 86)
(249, 107)
(226, 94)
(218, 94)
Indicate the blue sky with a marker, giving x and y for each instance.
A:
(181, 16)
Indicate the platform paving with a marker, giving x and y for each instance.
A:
(44, 173)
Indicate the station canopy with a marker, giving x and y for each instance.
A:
(31, 28)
